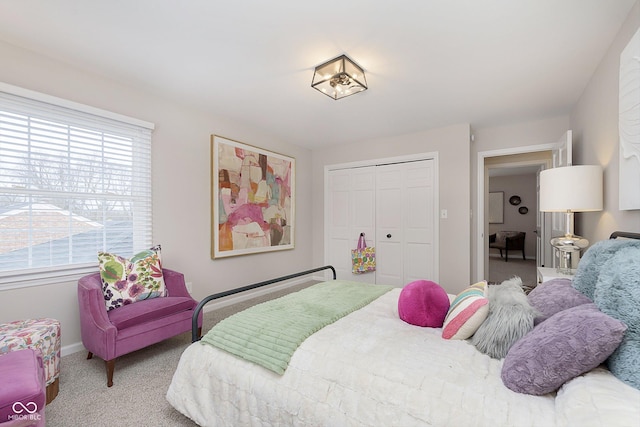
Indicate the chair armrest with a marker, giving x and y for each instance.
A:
(492, 238)
(91, 301)
(175, 284)
(95, 328)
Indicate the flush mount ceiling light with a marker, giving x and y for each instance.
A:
(339, 77)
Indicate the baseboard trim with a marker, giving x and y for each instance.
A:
(528, 258)
(71, 348)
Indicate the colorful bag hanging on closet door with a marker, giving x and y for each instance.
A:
(363, 258)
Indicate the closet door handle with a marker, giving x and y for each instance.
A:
(388, 236)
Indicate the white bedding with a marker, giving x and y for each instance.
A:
(372, 369)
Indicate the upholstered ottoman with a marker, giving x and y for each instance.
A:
(22, 395)
(42, 335)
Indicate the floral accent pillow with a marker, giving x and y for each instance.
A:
(125, 281)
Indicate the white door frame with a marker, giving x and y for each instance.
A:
(482, 183)
(385, 161)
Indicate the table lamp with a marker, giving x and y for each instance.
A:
(570, 189)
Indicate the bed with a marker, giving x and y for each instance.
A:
(369, 368)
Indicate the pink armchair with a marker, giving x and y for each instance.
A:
(123, 330)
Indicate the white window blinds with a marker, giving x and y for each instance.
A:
(73, 181)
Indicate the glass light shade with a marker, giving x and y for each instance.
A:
(339, 78)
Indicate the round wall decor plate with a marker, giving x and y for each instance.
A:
(523, 210)
(514, 200)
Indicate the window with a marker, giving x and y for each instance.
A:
(74, 180)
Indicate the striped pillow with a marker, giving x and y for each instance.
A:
(467, 312)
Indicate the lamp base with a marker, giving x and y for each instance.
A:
(566, 246)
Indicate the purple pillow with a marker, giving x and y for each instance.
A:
(423, 303)
(568, 344)
(553, 296)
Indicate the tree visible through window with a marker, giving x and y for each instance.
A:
(72, 183)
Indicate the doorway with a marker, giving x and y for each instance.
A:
(513, 184)
(514, 172)
(555, 154)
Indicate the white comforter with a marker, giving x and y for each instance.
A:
(372, 369)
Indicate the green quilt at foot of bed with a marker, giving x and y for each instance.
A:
(269, 333)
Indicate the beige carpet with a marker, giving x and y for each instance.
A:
(140, 382)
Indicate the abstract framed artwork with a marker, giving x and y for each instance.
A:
(252, 198)
(496, 207)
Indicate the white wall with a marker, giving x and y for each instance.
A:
(490, 138)
(452, 145)
(181, 174)
(594, 121)
(181, 188)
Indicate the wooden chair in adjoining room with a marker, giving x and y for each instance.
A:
(506, 241)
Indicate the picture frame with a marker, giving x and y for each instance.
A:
(252, 199)
(496, 207)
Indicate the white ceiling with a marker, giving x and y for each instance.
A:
(429, 63)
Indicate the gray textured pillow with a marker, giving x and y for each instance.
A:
(568, 344)
(553, 296)
(510, 318)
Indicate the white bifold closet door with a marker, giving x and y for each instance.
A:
(351, 206)
(393, 205)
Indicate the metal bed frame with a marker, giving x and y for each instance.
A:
(625, 234)
(195, 336)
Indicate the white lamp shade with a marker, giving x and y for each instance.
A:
(571, 188)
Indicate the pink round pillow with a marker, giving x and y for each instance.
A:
(423, 303)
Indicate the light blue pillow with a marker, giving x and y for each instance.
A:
(617, 294)
(589, 268)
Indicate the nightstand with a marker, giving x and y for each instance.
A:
(548, 273)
